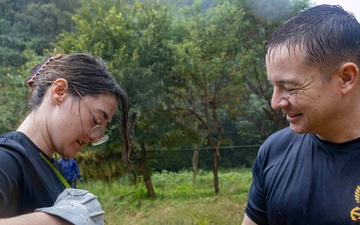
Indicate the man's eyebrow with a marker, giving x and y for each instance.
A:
(283, 81)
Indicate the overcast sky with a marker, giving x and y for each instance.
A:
(349, 5)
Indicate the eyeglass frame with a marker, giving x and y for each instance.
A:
(102, 129)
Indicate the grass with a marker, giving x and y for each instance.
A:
(178, 202)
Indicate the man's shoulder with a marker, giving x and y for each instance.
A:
(284, 139)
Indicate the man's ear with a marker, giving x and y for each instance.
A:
(349, 75)
(59, 90)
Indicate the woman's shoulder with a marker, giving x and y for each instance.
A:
(16, 141)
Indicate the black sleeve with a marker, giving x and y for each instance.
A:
(11, 178)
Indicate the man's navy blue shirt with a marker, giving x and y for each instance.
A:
(299, 179)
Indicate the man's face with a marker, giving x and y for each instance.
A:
(308, 102)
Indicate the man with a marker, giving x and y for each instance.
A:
(70, 170)
(308, 173)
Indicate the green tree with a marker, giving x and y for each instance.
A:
(31, 24)
(26, 28)
(13, 96)
(131, 38)
(203, 81)
(219, 72)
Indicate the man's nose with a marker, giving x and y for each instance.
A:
(278, 99)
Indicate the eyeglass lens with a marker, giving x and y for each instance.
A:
(98, 132)
(104, 138)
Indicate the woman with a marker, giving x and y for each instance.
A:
(71, 98)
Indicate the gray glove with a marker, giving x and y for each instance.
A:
(77, 206)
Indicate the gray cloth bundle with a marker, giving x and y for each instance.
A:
(77, 206)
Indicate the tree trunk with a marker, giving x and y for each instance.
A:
(216, 170)
(195, 161)
(145, 171)
(216, 144)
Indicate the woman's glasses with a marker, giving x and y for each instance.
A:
(97, 131)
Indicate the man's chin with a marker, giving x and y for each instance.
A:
(298, 129)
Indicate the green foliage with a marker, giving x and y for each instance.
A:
(12, 101)
(32, 25)
(205, 68)
(26, 28)
(132, 39)
(214, 53)
(179, 202)
(276, 11)
(13, 98)
(101, 165)
(204, 4)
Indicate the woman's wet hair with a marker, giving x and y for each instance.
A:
(85, 74)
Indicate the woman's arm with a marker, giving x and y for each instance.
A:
(247, 221)
(37, 218)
